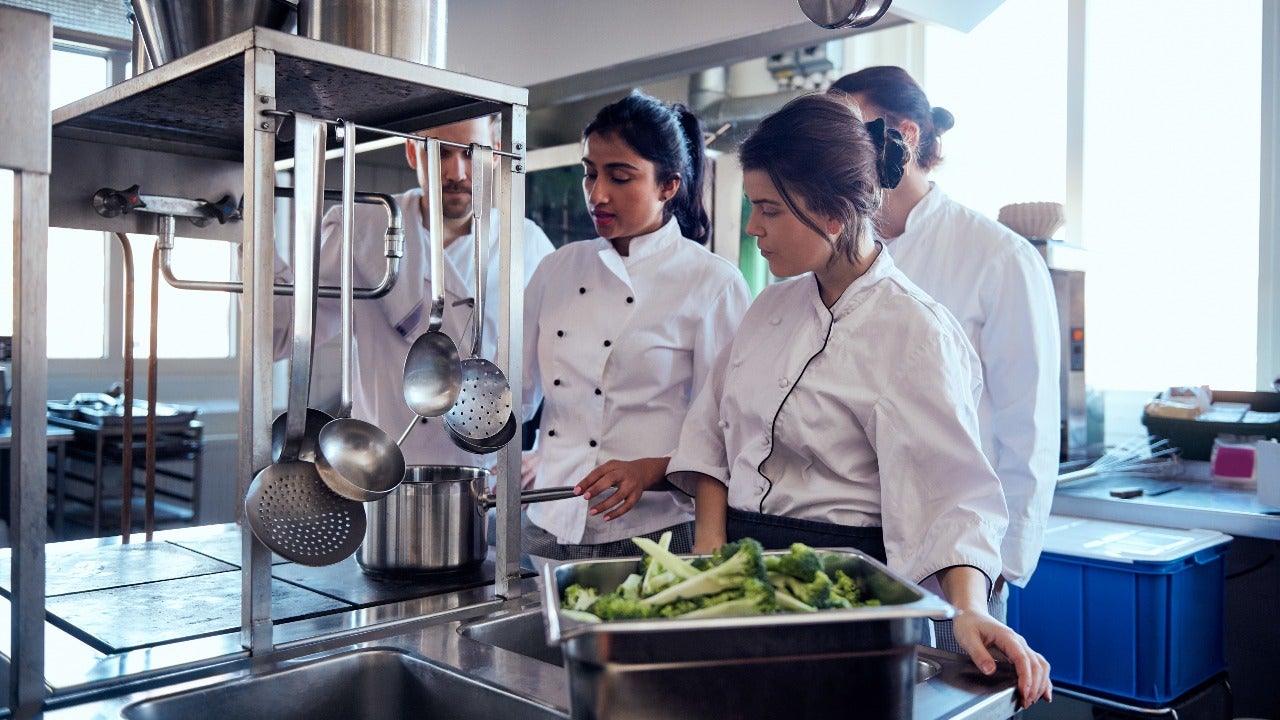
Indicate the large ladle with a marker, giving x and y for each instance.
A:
(432, 369)
(484, 408)
(288, 506)
(356, 459)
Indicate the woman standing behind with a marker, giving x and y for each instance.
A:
(998, 287)
(620, 332)
(844, 411)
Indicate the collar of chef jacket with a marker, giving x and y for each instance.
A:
(409, 309)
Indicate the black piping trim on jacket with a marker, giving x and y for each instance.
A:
(773, 426)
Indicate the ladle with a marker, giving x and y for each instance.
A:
(483, 409)
(288, 506)
(356, 459)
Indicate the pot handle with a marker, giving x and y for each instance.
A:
(485, 499)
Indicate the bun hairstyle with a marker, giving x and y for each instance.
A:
(900, 97)
(670, 137)
(816, 149)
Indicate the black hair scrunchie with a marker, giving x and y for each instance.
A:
(891, 153)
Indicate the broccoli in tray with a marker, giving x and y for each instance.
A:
(737, 579)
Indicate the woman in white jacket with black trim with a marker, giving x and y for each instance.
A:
(621, 332)
(844, 413)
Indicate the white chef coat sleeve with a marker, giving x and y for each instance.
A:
(719, 325)
(531, 380)
(941, 504)
(1021, 355)
(702, 443)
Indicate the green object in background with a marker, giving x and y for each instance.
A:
(753, 266)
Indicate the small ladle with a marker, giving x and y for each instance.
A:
(356, 459)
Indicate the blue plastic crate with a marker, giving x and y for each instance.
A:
(1130, 611)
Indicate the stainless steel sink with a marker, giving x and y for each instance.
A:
(523, 633)
(378, 684)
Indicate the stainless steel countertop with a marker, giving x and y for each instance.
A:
(91, 684)
(1198, 501)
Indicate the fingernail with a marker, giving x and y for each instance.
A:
(591, 512)
(988, 668)
(585, 495)
(607, 518)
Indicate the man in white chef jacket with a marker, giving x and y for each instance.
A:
(385, 328)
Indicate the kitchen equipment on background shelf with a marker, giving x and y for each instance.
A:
(407, 29)
(1034, 220)
(1081, 422)
(767, 666)
(1233, 413)
(356, 459)
(482, 417)
(434, 521)
(288, 506)
(837, 14)
(171, 29)
(1148, 457)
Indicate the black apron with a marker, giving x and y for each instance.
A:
(777, 533)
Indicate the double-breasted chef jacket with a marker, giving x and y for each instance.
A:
(998, 287)
(861, 415)
(618, 346)
(385, 328)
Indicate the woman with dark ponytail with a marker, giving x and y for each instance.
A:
(998, 287)
(620, 332)
(844, 413)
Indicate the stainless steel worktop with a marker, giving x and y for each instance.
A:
(1190, 499)
(89, 682)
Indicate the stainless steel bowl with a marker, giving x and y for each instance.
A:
(173, 28)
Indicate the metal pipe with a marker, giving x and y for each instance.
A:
(126, 439)
(348, 259)
(395, 133)
(394, 252)
(149, 502)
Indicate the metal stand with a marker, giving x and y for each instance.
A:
(26, 50)
(206, 124)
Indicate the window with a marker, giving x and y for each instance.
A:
(1171, 185)
(85, 276)
(1005, 83)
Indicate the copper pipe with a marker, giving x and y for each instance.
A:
(126, 439)
(149, 512)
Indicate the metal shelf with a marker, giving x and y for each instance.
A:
(194, 105)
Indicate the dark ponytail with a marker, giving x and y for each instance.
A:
(670, 137)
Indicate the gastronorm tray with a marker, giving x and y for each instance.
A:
(768, 666)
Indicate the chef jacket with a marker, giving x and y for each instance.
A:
(862, 415)
(618, 346)
(998, 287)
(385, 328)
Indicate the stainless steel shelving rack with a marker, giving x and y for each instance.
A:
(206, 124)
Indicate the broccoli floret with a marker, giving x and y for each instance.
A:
(756, 598)
(616, 607)
(850, 591)
(577, 597)
(747, 562)
(579, 615)
(630, 588)
(802, 562)
(655, 576)
(668, 560)
(816, 593)
(789, 603)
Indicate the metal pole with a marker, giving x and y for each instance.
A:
(26, 49)
(257, 264)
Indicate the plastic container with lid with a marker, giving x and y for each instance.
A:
(1131, 611)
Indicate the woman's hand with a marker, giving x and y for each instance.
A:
(530, 461)
(976, 631)
(628, 478)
